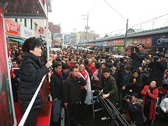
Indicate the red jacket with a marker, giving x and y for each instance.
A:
(153, 96)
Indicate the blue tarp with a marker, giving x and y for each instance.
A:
(17, 40)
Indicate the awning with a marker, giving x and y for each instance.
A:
(128, 53)
(17, 40)
(147, 50)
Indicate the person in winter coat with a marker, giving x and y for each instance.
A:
(150, 94)
(31, 73)
(133, 83)
(56, 85)
(135, 116)
(98, 76)
(93, 69)
(72, 94)
(137, 57)
(110, 91)
(157, 70)
(65, 71)
(122, 92)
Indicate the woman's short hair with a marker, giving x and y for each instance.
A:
(136, 70)
(30, 44)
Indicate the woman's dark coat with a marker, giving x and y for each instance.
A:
(31, 74)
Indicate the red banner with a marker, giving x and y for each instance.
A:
(6, 114)
(119, 42)
(147, 41)
(12, 28)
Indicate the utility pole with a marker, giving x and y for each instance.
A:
(87, 25)
(125, 41)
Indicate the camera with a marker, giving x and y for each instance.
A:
(135, 47)
(128, 97)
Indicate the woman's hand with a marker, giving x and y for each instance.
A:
(49, 63)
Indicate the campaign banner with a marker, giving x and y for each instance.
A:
(12, 28)
(6, 111)
(160, 40)
(147, 41)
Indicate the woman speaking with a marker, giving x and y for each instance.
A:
(31, 73)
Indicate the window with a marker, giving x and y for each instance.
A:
(21, 22)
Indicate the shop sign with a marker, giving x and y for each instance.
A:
(12, 28)
(26, 32)
(91, 44)
(105, 43)
(160, 40)
(99, 44)
(147, 41)
(119, 42)
(110, 43)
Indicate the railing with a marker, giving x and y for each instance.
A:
(31, 103)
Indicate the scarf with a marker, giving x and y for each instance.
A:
(73, 77)
(71, 64)
(93, 69)
(85, 75)
(89, 65)
(60, 74)
(15, 69)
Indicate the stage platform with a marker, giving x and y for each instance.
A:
(42, 121)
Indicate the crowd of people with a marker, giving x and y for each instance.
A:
(76, 73)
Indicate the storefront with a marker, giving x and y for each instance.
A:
(116, 45)
(147, 41)
(13, 31)
(160, 43)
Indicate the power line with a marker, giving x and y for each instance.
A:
(150, 20)
(149, 14)
(115, 10)
(96, 5)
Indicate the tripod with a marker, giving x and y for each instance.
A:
(112, 110)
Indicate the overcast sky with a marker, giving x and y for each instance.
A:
(103, 19)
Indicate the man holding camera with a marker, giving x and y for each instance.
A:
(135, 117)
(157, 67)
(137, 55)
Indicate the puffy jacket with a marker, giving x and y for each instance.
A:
(72, 89)
(136, 87)
(31, 74)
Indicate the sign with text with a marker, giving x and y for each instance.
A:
(160, 40)
(119, 42)
(26, 32)
(147, 41)
(12, 28)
